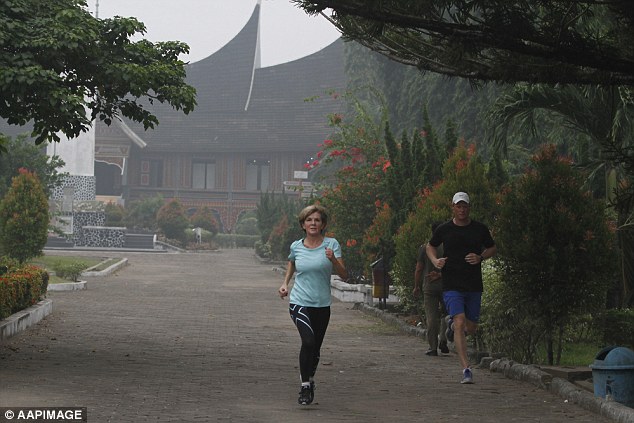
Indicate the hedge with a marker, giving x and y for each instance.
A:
(236, 241)
(20, 287)
(619, 327)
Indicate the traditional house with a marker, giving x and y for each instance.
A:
(253, 129)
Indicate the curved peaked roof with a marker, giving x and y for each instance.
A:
(242, 107)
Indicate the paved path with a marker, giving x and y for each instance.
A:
(204, 338)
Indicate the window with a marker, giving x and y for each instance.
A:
(204, 175)
(258, 175)
(156, 173)
(152, 173)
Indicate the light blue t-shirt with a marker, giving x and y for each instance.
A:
(312, 280)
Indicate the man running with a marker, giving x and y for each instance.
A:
(466, 244)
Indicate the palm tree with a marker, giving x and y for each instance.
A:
(604, 116)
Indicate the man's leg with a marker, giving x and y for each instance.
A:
(442, 344)
(455, 304)
(432, 317)
(460, 338)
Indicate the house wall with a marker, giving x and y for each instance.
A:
(229, 198)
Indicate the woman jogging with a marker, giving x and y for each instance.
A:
(314, 258)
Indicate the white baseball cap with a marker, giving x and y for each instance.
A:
(460, 196)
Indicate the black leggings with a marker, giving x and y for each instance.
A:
(311, 322)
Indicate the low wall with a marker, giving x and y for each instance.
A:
(103, 236)
(28, 317)
(356, 293)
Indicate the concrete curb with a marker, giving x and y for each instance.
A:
(527, 373)
(109, 270)
(67, 286)
(564, 389)
(24, 319)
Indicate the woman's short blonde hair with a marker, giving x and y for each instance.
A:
(307, 211)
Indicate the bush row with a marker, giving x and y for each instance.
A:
(21, 286)
(236, 241)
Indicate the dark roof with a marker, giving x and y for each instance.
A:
(242, 107)
(276, 115)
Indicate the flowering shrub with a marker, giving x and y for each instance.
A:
(21, 287)
(354, 165)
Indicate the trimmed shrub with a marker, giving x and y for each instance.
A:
(115, 215)
(141, 214)
(71, 271)
(204, 218)
(172, 221)
(21, 287)
(248, 226)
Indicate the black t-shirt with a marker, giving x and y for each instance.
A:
(458, 241)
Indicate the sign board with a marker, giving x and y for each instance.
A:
(305, 184)
(300, 174)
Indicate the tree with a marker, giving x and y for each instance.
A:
(409, 94)
(600, 114)
(57, 61)
(24, 218)
(558, 258)
(22, 153)
(551, 41)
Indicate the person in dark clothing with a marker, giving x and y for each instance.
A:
(432, 298)
(466, 244)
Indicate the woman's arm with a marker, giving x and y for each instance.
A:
(290, 269)
(339, 268)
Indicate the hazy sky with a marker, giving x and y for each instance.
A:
(286, 32)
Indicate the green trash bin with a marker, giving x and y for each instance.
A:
(613, 375)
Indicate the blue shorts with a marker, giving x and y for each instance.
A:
(469, 303)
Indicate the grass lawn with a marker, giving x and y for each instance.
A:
(577, 354)
(49, 263)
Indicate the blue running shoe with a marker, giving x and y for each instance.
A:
(467, 376)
